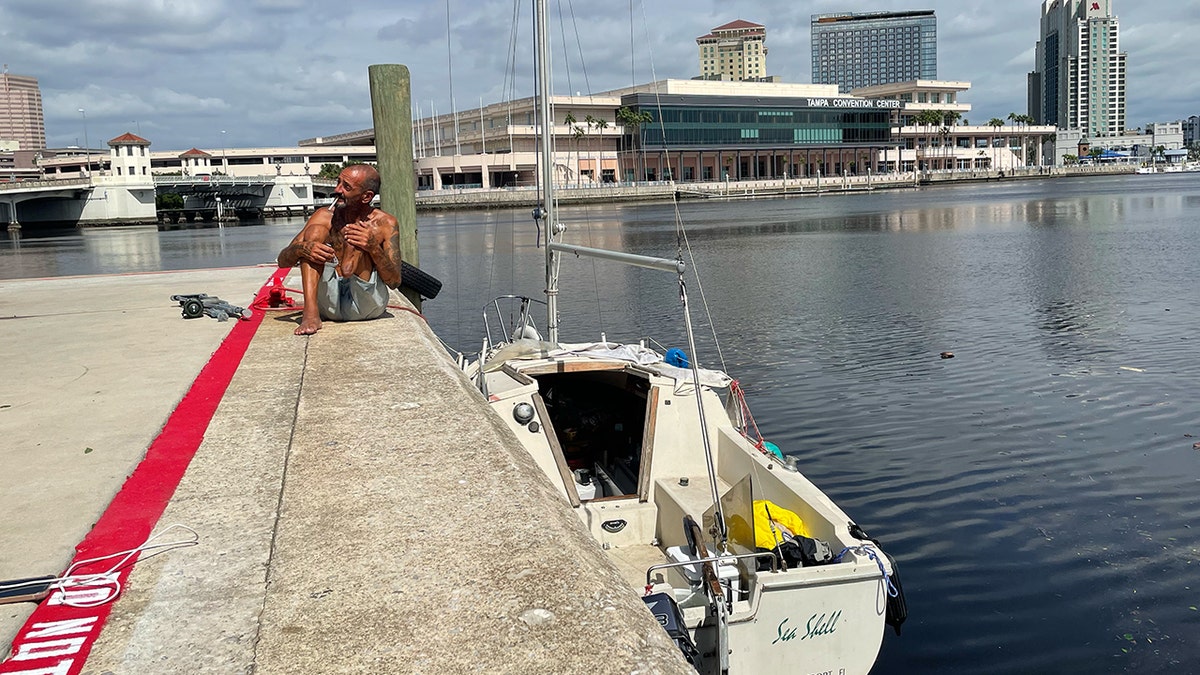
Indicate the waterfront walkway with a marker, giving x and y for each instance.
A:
(486, 198)
(358, 508)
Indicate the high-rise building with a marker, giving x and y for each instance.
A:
(735, 51)
(1191, 131)
(864, 50)
(21, 111)
(1078, 80)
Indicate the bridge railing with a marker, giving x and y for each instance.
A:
(46, 183)
(213, 180)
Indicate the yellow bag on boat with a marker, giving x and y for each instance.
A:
(772, 522)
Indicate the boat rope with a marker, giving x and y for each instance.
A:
(870, 552)
(739, 395)
(74, 580)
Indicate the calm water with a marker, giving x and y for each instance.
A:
(1038, 489)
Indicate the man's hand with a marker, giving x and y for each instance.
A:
(314, 252)
(362, 237)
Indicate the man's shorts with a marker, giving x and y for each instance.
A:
(350, 298)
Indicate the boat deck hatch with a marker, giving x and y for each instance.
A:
(599, 417)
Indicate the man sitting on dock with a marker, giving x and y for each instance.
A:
(346, 254)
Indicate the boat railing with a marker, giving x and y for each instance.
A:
(722, 559)
(520, 323)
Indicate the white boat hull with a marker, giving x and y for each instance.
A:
(827, 618)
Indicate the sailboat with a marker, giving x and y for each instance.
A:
(743, 560)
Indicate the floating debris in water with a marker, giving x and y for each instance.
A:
(1131, 369)
(947, 355)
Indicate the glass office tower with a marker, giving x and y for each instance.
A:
(863, 50)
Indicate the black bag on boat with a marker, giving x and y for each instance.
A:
(801, 551)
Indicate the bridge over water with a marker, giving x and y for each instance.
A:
(120, 200)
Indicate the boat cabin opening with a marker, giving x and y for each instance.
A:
(600, 418)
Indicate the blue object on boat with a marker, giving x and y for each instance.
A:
(676, 357)
(773, 449)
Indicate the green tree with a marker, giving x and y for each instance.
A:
(331, 171)
(632, 122)
(168, 200)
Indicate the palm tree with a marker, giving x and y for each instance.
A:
(1027, 120)
(1015, 119)
(577, 133)
(925, 118)
(1021, 121)
(601, 124)
(950, 118)
(589, 121)
(570, 121)
(995, 123)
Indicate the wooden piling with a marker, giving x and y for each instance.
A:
(391, 110)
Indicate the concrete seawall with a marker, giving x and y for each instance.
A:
(361, 510)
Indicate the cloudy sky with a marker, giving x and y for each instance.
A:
(255, 73)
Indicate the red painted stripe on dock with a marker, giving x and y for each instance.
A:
(56, 639)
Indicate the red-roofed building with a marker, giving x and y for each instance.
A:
(129, 155)
(734, 51)
(196, 162)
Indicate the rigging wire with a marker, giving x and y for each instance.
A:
(586, 209)
(632, 50)
(450, 73)
(510, 66)
(562, 35)
(579, 43)
(681, 240)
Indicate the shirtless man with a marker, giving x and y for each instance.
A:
(347, 258)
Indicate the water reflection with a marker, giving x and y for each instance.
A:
(43, 253)
(124, 249)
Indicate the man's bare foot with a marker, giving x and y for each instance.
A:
(308, 326)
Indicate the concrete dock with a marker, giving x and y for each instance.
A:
(358, 508)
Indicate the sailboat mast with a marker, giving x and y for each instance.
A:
(542, 56)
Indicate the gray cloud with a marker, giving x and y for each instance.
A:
(270, 72)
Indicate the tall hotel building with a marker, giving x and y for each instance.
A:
(1078, 81)
(864, 50)
(735, 51)
(21, 112)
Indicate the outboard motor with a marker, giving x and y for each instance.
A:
(666, 610)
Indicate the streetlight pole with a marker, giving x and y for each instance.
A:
(224, 158)
(87, 145)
